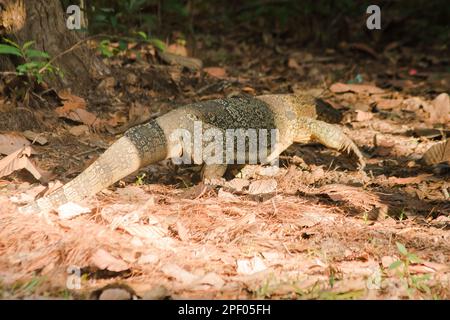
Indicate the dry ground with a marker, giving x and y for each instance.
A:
(314, 228)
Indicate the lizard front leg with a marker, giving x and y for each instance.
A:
(330, 136)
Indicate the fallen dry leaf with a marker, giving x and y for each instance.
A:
(438, 267)
(439, 109)
(262, 186)
(107, 84)
(363, 115)
(222, 194)
(216, 72)
(309, 219)
(387, 104)
(11, 142)
(409, 180)
(180, 274)
(70, 101)
(177, 49)
(148, 259)
(440, 152)
(414, 104)
(212, 279)
(71, 210)
(237, 184)
(340, 87)
(386, 261)
(419, 268)
(79, 115)
(293, 64)
(138, 113)
(145, 231)
(116, 119)
(250, 266)
(105, 261)
(249, 90)
(19, 160)
(182, 232)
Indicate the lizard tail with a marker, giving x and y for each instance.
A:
(140, 146)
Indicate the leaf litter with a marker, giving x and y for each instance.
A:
(261, 234)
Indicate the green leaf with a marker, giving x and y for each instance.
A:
(7, 49)
(413, 258)
(401, 248)
(107, 9)
(100, 18)
(158, 44)
(11, 43)
(32, 53)
(28, 67)
(27, 45)
(123, 45)
(143, 35)
(395, 264)
(114, 22)
(104, 49)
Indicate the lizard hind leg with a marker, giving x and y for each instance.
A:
(332, 137)
(211, 177)
(211, 173)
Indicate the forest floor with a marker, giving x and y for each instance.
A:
(314, 228)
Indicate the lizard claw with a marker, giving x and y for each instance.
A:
(356, 154)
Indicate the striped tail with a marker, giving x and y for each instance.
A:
(140, 146)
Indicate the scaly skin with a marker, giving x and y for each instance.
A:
(295, 117)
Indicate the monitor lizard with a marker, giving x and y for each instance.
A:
(296, 118)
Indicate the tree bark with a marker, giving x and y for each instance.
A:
(44, 21)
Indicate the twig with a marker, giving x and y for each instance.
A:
(67, 51)
(78, 44)
(6, 73)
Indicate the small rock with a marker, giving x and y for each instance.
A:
(157, 293)
(115, 294)
(79, 130)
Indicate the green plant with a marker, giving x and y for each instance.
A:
(106, 48)
(402, 215)
(140, 179)
(36, 64)
(412, 282)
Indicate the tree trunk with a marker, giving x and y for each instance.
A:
(44, 21)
